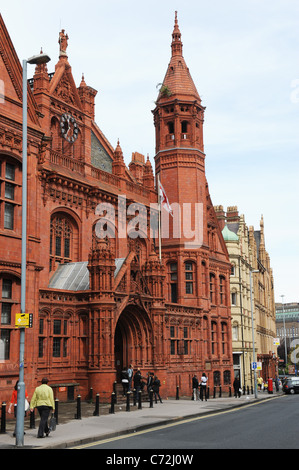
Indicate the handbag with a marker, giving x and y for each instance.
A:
(26, 405)
(52, 423)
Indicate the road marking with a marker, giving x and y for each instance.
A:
(170, 425)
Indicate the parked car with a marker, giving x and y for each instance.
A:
(291, 385)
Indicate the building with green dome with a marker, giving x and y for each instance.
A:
(246, 248)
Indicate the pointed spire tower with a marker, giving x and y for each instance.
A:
(178, 119)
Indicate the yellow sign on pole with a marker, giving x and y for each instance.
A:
(23, 320)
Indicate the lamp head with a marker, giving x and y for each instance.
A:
(39, 59)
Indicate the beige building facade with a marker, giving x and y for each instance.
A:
(248, 254)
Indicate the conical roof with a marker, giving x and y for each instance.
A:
(178, 80)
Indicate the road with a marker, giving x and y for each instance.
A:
(269, 424)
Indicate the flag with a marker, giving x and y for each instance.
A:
(164, 199)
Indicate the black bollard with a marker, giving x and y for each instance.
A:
(90, 394)
(56, 410)
(230, 392)
(214, 395)
(243, 389)
(251, 390)
(247, 389)
(208, 392)
(112, 403)
(78, 414)
(97, 407)
(3, 418)
(220, 391)
(32, 419)
(115, 392)
(139, 400)
(128, 401)
(134, 397)
(151, 398)
(177, 393)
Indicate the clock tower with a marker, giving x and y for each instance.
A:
(178, 119)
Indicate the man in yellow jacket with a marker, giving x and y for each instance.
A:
(43, 400)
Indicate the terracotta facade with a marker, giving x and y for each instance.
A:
(102, 302)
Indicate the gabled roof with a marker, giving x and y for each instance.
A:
(63, 84)
(12, 75)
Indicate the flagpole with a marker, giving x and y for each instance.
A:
(159, 220)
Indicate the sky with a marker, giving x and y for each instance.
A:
(244, 60)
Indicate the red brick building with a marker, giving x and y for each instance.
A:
(100, 303)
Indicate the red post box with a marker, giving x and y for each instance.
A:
(270, 385)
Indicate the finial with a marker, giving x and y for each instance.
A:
(176, 38)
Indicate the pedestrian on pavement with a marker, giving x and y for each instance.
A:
(260, 382)
(237, 387)
(203, 386)
(149, 382)
(137, 380)
(125, 381)
(156, 389)
(43, 400)
(195, 389)
(14, 402)
(130, 376)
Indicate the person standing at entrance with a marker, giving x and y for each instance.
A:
(125, 381)
(137, 382)
(149, 383)
(156, 388)
(130, 376)
(43, 400)
(203, 386)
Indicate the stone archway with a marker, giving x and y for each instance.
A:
(133, 340)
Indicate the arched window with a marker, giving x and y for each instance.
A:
(224, 338)
(56, 142)
(61, 336)
(204, 279)
(170, 127)
(64, 240)
(227, 377)
(184, 126)
(10, 193)
(214, 338)
(190, 281)
(9, 295)
(212, 288)
(217, 378)
(173, 281)
(222, 291)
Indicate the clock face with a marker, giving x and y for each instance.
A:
(69, 128)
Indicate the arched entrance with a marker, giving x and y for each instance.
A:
(133, 340)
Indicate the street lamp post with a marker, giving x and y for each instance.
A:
(38, 59)
(252, 327)
(285, 334)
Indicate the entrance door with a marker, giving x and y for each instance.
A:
(118, 352)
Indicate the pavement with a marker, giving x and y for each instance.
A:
(72, 432)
